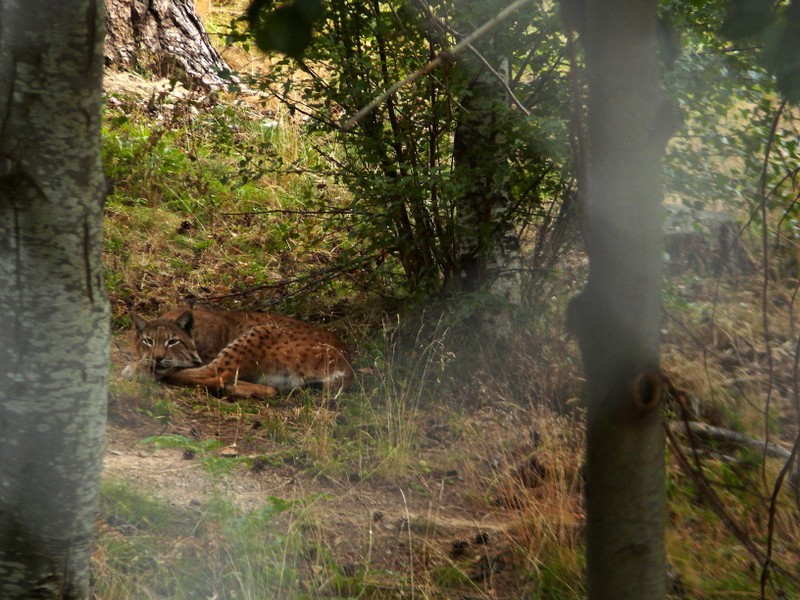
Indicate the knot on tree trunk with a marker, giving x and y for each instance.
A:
(646, 391)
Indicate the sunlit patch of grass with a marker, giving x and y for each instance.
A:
(200, 206)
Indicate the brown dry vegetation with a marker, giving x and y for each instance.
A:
(453, 468)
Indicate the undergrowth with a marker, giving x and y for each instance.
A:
(473, 441)
(199, 212)
(149, 549)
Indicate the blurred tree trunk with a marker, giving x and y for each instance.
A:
(617, 315)
(165, 37)
(53, 306)
(488, 244)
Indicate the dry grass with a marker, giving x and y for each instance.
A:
(453, 470)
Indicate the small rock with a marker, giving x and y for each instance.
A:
(481, 538)
(229, 452)
(458, 548)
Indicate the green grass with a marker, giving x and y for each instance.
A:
(200, 209)
(199, 195)
(148, 549)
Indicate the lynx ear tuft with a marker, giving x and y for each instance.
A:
(185, 321)
(139, 322)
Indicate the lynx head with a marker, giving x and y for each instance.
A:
(163, 345)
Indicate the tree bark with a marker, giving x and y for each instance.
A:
(165, 37)
(488, 244)
(53, 307)
(617, 315)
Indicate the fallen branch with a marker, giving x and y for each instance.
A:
(709, 433)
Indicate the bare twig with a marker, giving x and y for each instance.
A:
(498, 76)
(307, 281)
(442, 58)
(790, 176)
(716, 504)
(708, 492)
(762, 191)
(710, 495)
(773, 502)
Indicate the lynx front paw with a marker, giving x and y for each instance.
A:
(129, 372)
(253, 391)
(136, 370)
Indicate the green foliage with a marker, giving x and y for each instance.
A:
(729, 103)
(286, 28)
(398, 163)
(776, 27)
(202, 193)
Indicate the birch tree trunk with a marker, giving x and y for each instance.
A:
(488, 246)
(617, 316)
(54, 316)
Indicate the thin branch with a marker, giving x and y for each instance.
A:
(444, 57)
(308, 281)
(503, 80)
(791, 175)
(773, 503)
(710, 495)
(762, 190)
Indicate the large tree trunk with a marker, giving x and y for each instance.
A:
(617, 315)
(53, 306)
(165, 37)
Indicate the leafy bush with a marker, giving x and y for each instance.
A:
(402, 163)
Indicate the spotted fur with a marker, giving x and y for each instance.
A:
(239, 353)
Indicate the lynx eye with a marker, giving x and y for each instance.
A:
(172, 342)
(147, 342)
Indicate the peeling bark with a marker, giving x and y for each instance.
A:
(54, 339)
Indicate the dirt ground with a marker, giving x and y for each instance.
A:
(424, 519)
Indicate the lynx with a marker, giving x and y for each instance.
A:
(239, 353)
